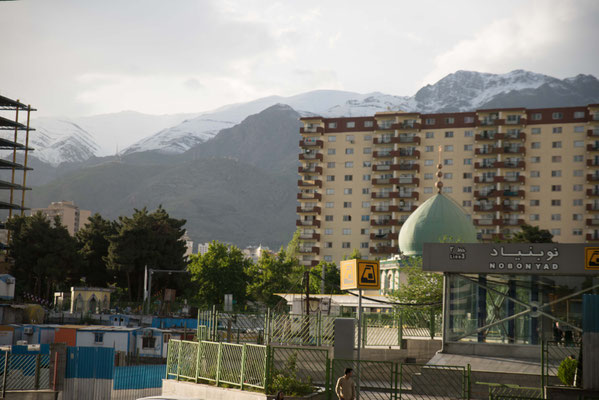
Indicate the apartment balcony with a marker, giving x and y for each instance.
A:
(405, 153)
(384, 209)
(510, 179)
(593, 147)
(309, 196)
(309, 263)
(406, 167)
(314, 129)
(310, 236)
(311, 156)
(488, 151)
(484, 165)
(484, 222)
(409, 195)
(383, 250)
(499, 193)
(520, 136)
(486, 122)
(485, 136)
(591, 162)
(314, 183)
(592, 222)
(310, 170)
(311, 143)
(484, 207)
(382, 181)
(309, 250)
(406, 181)
(384, 236)
(406, 126)
(384, 195)
(484, 179)
(592, 192)
(593, 177)
(407, 209)
(508, 222)
(385, 126)
(510, 164)
(310, 222)
(382, 154)
(510, 208)
(307, 210)
(382, 140)
(381, 167)
(487, 237)
(514, 150)
(518, 121)
(593, 133)
(593, 237)
(406, 140)
(384, 222)
(592, 207)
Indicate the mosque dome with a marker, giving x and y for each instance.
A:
(433, 220)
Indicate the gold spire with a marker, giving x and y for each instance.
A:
(439, 184)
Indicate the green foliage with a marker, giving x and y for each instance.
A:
(221, 270)
(420, 286)
(567, 370)
(145, 239)
(292, 250)
(531, 234)
(355, 254)
(271, 274)
(331, 278)
(93, 243)
(287, 381)
(45, 255)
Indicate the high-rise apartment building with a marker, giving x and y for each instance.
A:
(360, 178)
(70, 215)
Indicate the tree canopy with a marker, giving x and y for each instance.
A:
(531, 234)
(271, 274)
(420, 287)
(93, 243)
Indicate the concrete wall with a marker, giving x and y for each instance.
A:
(192, 390)
(116, 340)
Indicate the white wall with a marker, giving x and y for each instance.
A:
(151, 352)
(112, 339)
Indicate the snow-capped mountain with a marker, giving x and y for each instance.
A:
(459, 91)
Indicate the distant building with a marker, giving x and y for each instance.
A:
(188, 244)
(203, 248)
(70, 215)
(254, 252)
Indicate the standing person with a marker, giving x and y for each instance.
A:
(280, 395)
(346, 388)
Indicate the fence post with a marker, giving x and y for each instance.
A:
(327, 377)
(198, 361)
(243, 361)
(179, 359)
(432, 323)
(400, 379)
(36, 380)
(267, 318)
(267, 372)
(364, 325)
(6, 359)
(319, 329)
(400, 328)
(543, 344)
(469, 384)
(218, 362)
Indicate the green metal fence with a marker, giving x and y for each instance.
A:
(378, 379)
(425, 381)
(552, 355)
(514, 392)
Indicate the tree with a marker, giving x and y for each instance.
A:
(332, 278)
(292, 249)
(44, 253)
(221, 270)
(420, 287)
(93, 242)
(270, 275)
(144, 239)
(355, 254)
(531, 234)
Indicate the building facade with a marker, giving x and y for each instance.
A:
(360, 178)
(70, 215)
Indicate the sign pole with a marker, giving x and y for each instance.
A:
(359, 342)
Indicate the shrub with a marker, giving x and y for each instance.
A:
(567, 370)
(288, 382)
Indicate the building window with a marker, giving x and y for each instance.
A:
(328, 218)
(331, 152)
(535, 203)
(467, 189)
(366, 218)
(535, 131)
(557, 129)
(331, 164)
(577, 202)
(449, 120)
(364, 245)
(328, 245)
(364, 231)
(349, 164)
(535, 174)
(556, 232)
(467, 161)
(429, 149)
(577, 188)
(577, 232)
(346, 245)
(448, 175)
(556, 145)
(330, 178)
(577, 217)
(428, 162)
(98, 337)
(330, 191)
(448, 147)
(367, 150)
(449, 134)
(534, 217)
(367, 164)
(148, 342)
(467, 175)
(365, 204)
(328, 258)
(467, 203)
(347, 204)
(349, 150)
(578, 172)
(365, 190)
(447, 189)
(556, 173)
(328, 231)
(578, 158)
(346, 218)
(348, 178)
(428, 175)
(578, 143)
(556, 202)
(329, 204)
(367, 138)
(535, 188)
(448, 161)
(332, 138)
(347, 191)
(469, 133)
(366, 177)
(579, 114)
(556, 159)
(467, 147)
(350, 124)
(349, 138)
(429, 121)
(428, 190)
(536, 116)
(346, 231)
(578, 129)
(332, 125)
(368, 124)
(535, 145)
(429, 135)
(556, 188)
(557, 115)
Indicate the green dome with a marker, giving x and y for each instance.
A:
(436, 218)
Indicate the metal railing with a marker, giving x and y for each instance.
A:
(24, 371)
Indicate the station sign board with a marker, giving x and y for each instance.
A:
(360, 274)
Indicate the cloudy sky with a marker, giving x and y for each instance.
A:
(83, 57)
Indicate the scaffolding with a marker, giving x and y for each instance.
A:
(12, 145)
